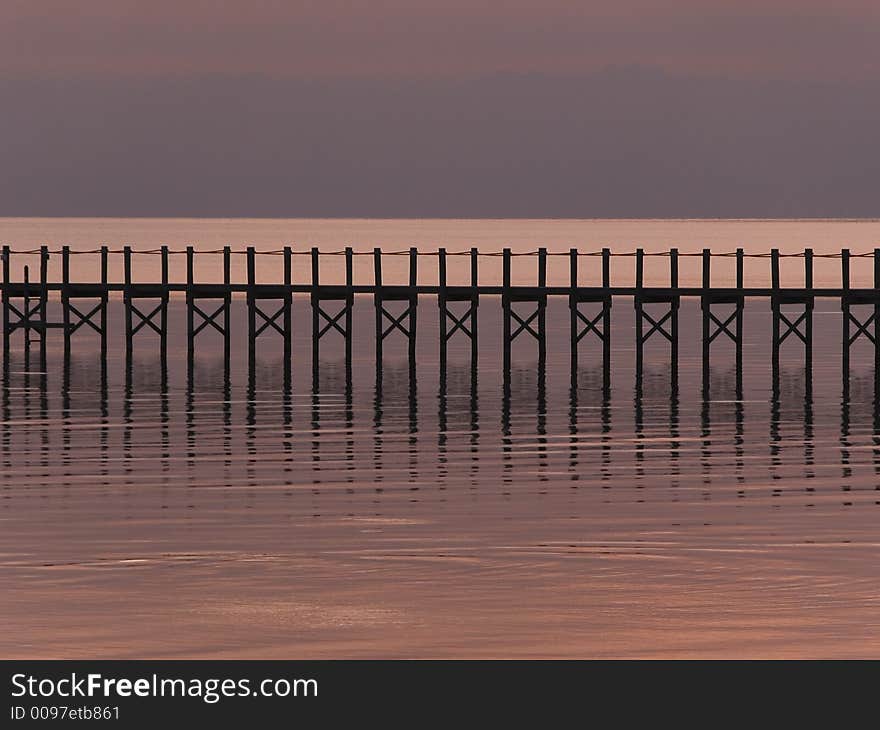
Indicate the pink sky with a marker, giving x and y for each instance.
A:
(799, 39)
(460, 108)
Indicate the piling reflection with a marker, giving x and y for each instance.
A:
(656, 392)
(791, 406)
(589, 395)
(458, 423)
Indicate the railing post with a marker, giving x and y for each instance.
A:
(774, 270)
(808, 269)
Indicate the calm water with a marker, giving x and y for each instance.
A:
(424, 520)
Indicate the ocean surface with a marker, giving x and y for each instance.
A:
(415, 516)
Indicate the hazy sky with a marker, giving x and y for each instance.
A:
(392, 108)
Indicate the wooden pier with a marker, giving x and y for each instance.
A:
(524, 307)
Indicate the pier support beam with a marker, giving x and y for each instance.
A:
(74, 317)
(868, 328)
(30, 315)
(714, 325)
(405, 322)
(583, 324)
(260, 320)
(464, 322)
(153, 316)
(198, 292)
(665, 325)
(537, 296)
(324, 321)
(801, 326)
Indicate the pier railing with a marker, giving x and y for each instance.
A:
(84, 304)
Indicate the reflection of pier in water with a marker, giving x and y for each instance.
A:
(322, 441)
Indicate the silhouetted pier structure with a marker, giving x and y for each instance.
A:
(84, 305)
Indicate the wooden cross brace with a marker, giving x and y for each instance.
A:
(85, 318)
(722, 326)
(146, 320)
(793, 327)
(331, 322)
(656, 325)
(24, 317)
(525, 325)
(208, 319)
(396, 322)
(590, 325)
(459, 322)
(862, 327)
(269, 321)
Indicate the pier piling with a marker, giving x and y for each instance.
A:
(405, 321)
(195, 293)
(864, 327)
(715, 325)
(583, 324)
(536, 296)
(665, 324)
(278, 318)
(801, 325)
(464, 322)
(339, 320)
(153, 315)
